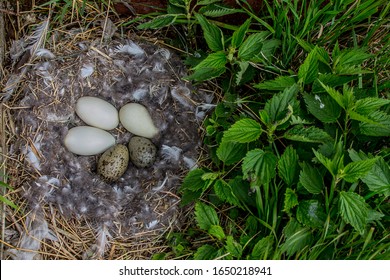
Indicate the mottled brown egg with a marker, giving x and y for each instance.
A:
(113, 163)
(142, 151)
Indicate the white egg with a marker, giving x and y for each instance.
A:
(136, 119)
(97, 112)
(88, 141)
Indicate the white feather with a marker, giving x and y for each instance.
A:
(164, 53)
(180, 93)
(158, 188)
(131, 48)
(152, 224)
(45, 53)
(30, 242)
(190, 163)
(171, 153)
(139, 94)
(87, 70)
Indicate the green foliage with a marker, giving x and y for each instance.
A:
(286, 143)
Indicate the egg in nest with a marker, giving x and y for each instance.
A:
(120, 72)
(113, 163)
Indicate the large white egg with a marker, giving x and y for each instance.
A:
(88, 141)
(136, 119)
(97, 112)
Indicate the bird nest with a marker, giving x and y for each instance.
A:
(69, 211)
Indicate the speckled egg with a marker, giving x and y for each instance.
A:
(113, 163)
(142, 151)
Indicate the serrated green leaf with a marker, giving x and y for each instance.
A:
(205, 216)
(193, 181)
(203, 74)
(158, 22)
(239, 35)
(217, 231)
(378, 178)
(225, 192)
(252, 45)
(308, 71)
(330, 80)
(240, 74)
(361, 118)
(350, 57)
(374, 215)
(367, 105)
(214, 60)
(278, 106)
(309, 134)
(233, 247)
(381, 129)
(326, 162)
(243, 131)
(336, 95)
(356, 170)
(259, 166)
(216, 10)
(207, 2)
(279, 84)
(323, 107)
(206, 252)
(311, 179)
(354, 210)
(297, 240)
(263, 248)
(290, 200)
(231, 152)
(212, 34)
(311, 213)
(288, 165)
(268, 50)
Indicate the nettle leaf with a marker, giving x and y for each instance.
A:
(336, 95)
(224, 192)
(212, 34)
(216, 10)
(277, 106)
(205, 216)
(381, 129)
(217, 231)
(326, 162)
(206, 252)
(203, 74)
(158, 22)
(290, 200)
(239, 35)
(193, 181)
(251, 47)
(356, 170)
(308, 71)
(233, 247)
(288, 165)
(231, 152)
(311, 213)
(263, 248)
(215, 60)
(279, 84)
(368, 105)
(323, 107)
(311, 179)
(350, 57)
(361, 118)
(206, 2)
(243, 131)
(309, 134)
(240, 74)
(378, 178)
(354, 210)
(297, 240)
(330, 80)
(259, 166)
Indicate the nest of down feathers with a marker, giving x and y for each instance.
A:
(121, 71)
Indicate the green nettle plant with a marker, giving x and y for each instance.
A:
(306, 174)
